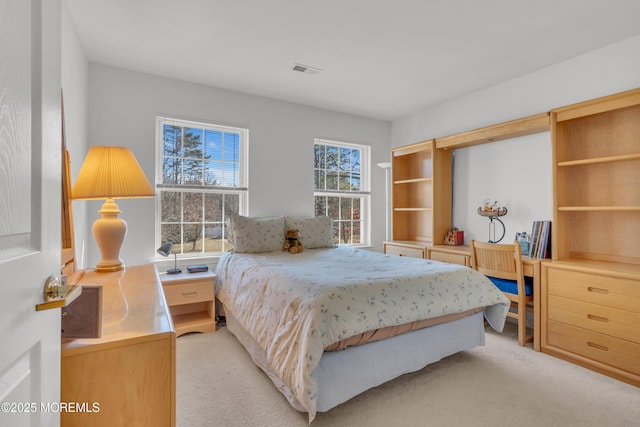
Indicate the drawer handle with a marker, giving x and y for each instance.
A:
(597, 318)
(190, 294)
(598, 290)
(597, 346)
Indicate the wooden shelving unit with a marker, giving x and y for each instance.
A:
(421, 198)
(422, 183)
(596, 180)
(589, 299)
(591, 289)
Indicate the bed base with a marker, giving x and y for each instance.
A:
(342, 375)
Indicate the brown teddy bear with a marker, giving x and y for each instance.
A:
(291, 242)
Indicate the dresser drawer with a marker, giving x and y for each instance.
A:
(403, 251)
(614, 352)
(599, 289)
(187, 293)
(450, 258)
(602, 319)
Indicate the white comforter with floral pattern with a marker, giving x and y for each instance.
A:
(295, 305)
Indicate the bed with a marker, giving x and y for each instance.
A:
(288, 310)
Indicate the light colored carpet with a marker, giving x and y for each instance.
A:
(498, 384)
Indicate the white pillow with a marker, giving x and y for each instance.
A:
(313, 231)
(254, 235)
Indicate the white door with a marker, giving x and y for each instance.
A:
(30, 176)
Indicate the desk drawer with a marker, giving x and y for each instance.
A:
(614, 352)
(187, 293)
(450, 258)
(403, 251)
(602, 319)
(599, 289)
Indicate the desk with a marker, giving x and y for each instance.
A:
(531, 266)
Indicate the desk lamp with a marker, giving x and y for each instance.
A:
(165, 250)
(110, 173)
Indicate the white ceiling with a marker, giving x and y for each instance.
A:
(380, 58)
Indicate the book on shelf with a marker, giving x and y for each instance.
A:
(540, 246)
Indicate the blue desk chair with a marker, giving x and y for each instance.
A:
(502, 264)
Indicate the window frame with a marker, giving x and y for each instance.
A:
(364, 194)
(242, 190)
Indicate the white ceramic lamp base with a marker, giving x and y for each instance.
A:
(109, 232)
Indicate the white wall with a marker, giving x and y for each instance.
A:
(75, 81)
(122, 110)
(517, 172)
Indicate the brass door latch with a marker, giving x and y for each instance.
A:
(57, 295)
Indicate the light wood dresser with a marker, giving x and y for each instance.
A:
(591, 316)
(130, 371)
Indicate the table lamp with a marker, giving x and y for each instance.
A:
(165, 250)
(110, 173)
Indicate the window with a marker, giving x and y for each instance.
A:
(341, 182)
(201, 179)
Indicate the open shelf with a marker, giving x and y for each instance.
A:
(599, 208)
(413, 180)
(412, 209)
(421, 194)
(596, 149)
(597, 160)
(200, 321)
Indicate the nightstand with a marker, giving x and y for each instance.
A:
(190, 297)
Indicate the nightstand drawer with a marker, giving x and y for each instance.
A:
(613, 292)
(614, 352)
(403, 251)
(605, 320)
(188, 293)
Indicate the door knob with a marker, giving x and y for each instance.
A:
(57, 295)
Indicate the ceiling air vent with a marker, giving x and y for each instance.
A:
(306, 69)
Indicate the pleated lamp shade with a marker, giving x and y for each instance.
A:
(110, 173)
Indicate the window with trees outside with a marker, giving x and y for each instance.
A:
(201, 179)
(341, 181)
